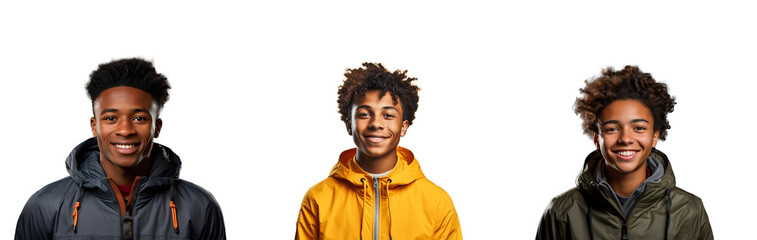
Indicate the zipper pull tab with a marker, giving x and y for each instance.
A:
(624, 232)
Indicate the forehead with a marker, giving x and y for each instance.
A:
(626, 109)
(371, 98)
(124, 97)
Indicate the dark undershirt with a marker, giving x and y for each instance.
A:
(624, 199)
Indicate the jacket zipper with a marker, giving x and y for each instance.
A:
(126, 208)
(133, 202)
(376, 216)
(624, 231)
(126, 224)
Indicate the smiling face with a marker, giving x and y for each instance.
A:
(125, 124)
(626, 136)
(377, 125)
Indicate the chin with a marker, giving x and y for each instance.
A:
(373, 154)
(628, 167)
(126, 163)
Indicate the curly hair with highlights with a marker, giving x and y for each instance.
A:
(629, 83)
(131, 72)
(373, 76)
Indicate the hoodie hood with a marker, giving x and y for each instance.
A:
(405, 172)
(83, 165)
(88, 205)
(662, 211)
(352, 204)
(654, 190)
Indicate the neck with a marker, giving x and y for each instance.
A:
(125, 176)
(376, 165)
(625, 183)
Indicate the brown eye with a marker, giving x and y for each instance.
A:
(109, 118)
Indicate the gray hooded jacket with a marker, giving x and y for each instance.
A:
(86, 204)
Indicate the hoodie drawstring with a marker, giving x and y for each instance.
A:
(173, 208)
(588, 216)
(667, 214)
(389, 207)
(588, 220)
(362, 213)
(75, 215)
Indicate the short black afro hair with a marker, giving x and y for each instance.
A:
(373, 76)
(629, 83)
(130, 72)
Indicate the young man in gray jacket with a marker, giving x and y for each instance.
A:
(121, 184)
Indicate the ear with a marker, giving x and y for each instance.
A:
(158, 126)
(655, 137)
(596, 140)
(93, 125)
(403, 130)
(349, 127)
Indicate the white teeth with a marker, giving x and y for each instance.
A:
(375, 139)
(125, 146)
(626, 153)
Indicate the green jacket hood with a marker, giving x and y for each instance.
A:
(587, 211)
(589, 186)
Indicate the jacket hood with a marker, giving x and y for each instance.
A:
(589, 211)
(587, 183)
(405, 172)
(352, 204)
(83, 165)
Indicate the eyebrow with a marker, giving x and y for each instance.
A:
(369, 107)
(135, 110)
(618, 122)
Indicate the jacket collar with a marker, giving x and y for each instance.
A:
(405, 172)
(655, 191)
(83, 165)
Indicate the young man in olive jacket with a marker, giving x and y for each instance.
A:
(627, 189)
(121, 184)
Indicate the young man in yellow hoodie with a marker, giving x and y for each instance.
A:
(377, 190)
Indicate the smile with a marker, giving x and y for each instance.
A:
(125, 146)
(626, 154)
(375, 139)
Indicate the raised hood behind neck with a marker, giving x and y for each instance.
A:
(590, 188)
(83, 165)
(587, 179)
(405, 172)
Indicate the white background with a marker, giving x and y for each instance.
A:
(253, 110)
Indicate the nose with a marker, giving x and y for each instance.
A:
(626, 136)
(376, 123)
(125, 128)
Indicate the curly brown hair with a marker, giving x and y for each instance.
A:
(373, 76)
(629, 83)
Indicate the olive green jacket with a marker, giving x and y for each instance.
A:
(663, 211)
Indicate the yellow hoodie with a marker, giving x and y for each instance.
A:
(343, 206)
